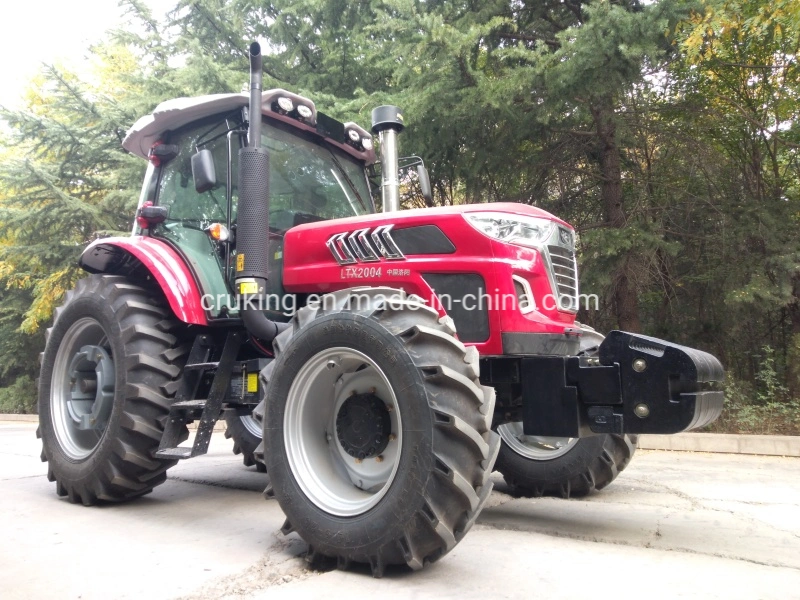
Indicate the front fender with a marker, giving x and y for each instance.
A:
(118, 255)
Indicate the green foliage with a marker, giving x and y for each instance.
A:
(763, 408)
(770, 391)
(19, 397)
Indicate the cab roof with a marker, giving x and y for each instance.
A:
(174, 114)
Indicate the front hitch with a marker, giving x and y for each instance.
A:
(636, 384)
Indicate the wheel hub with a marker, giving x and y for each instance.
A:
(363, 426)
(341, 404)
(82, 388)
(91, 393)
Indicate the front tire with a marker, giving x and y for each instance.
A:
(108, 377)
(540, 466)
(376, 430)
(566, 467)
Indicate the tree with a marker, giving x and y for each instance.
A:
(666, 132)
(740, 83)
(64, 180)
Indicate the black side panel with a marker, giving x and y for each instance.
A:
(463, 296)
(425, 239)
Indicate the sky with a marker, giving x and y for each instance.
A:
(51, 31)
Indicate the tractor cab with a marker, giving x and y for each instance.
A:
(190, 194)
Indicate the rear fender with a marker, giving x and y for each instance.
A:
(125, 255)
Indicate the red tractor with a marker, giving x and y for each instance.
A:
(375, 364)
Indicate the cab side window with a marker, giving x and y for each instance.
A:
(176, 188)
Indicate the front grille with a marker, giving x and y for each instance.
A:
(565, 274)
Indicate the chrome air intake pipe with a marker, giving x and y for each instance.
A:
(387, 122)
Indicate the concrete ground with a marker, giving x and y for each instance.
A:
(674, 524)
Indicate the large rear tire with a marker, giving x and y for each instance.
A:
(245, 431)
(377, 432)
(109, 374)
(566, 467)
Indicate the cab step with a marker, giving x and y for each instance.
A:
(187, 408)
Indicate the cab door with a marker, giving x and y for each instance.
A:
(191, 213)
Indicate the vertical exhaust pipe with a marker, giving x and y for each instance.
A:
(387, 122)
(254, 108)
(252, 229)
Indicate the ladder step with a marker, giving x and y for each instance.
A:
(183, 405)
(201, 366)
(174, 453)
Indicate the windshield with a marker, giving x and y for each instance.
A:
(311, 182)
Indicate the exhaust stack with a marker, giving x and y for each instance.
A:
(387, 122)
(252, 231)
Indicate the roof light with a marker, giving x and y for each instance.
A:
(285, 104)
(354, 136)
(367, 143)
(304, 111)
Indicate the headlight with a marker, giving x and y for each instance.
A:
(512, 229)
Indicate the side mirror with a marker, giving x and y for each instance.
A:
(424, 182)
(203, 171)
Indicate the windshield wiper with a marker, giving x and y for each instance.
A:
(346, 176)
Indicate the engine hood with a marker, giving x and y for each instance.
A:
(392, 236)
(409, 218)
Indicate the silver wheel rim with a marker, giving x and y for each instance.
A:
(252, 426)
(332, 479)
(535, 447)
(82, 388)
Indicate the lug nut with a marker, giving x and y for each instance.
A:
(392, 437)
(372, 390)
(331, 364)
(642, 411)
(359, 461)
(379, 458)
(389, 408)
(353, 393)
(639, 365)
